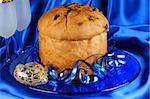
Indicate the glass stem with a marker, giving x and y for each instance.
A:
(7, 49)
(21, 43)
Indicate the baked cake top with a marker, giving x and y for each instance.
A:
(73, 22)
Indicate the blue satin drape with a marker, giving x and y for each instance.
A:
(129, 26)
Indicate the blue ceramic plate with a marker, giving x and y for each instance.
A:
(121, 77)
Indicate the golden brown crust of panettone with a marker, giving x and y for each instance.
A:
(71, 32)
(72, 22)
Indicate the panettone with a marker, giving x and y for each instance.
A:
(71, 32)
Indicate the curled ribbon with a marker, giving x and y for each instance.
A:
(102, 67)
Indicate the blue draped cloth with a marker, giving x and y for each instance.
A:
(129, 26)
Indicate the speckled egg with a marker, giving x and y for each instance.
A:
(32, 74)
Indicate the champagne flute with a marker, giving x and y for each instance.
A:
(8, 22)
(23, 18)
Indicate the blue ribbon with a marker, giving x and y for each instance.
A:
(102, 67)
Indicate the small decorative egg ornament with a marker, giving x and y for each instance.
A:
(32, 74)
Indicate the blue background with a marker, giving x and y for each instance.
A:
(129, 26)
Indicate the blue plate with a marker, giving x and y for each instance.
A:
(121, 77)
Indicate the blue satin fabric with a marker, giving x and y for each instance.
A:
(129, 26)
